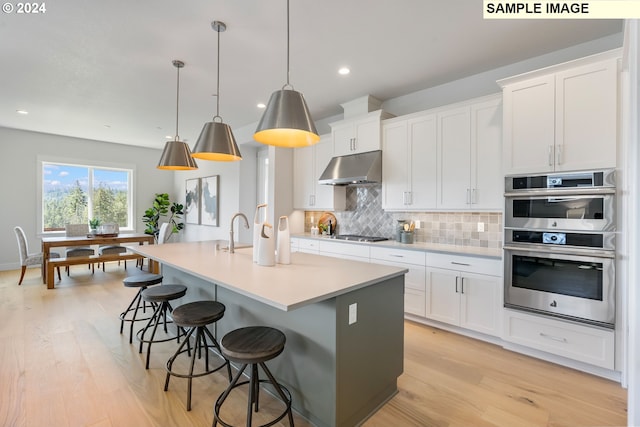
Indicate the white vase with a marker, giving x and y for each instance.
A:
(257, 226)
(283, 246)
(266, 246)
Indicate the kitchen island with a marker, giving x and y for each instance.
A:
(344, 321)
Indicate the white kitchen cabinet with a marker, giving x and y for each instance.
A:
(464, 291)
(309, 246)
(584, 343)
(341, 249)
(308, 165)
(470, 152)
(562, 118)
(446, 158)
(414, 279)
(409, 162)
(357, 135)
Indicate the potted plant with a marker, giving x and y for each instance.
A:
(162, 207)
(93, 225)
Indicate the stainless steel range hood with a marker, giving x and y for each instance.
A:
(361, 168)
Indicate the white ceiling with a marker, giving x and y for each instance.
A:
(102, 69)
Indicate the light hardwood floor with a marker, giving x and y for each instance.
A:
(64, 363)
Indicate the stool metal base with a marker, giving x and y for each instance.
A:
(159, 316)
(202, 333)
(134, 307)
(254, 394)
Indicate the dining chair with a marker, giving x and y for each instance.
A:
(112, 249)
(27, 259)
(76, 230)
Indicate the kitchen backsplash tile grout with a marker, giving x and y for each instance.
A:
(364, 215)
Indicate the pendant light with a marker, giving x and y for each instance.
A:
(216, 141)
(286, 121)
(176, 154)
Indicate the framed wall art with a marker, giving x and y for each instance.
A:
(209, 200)
(192, 201)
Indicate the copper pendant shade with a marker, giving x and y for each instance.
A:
(176, 154)
(286, 121)
(216, 141)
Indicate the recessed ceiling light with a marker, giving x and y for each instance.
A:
(261, 105)
(107, 126)
(22, 112)
(344, 71)
(168, 137)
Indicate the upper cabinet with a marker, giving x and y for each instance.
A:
(409, 162)
(470, 152)
(309, 163)
(562, 118)
(357, 135)
(446, 158)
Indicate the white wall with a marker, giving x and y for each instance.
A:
(19, 152)
(237, 189)
(631, 129)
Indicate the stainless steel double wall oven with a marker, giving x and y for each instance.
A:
(559, 245)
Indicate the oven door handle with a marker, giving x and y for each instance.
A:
(561, 250)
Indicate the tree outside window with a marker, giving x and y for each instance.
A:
(73, 194)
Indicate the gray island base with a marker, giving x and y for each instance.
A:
(339, 371)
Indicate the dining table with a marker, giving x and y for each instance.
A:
(93, 239)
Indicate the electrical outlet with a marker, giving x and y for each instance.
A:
(417, 224)
(480, 227)
(353, 313)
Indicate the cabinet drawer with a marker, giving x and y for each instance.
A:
(398, 255)
(414, 302)
(465, 263)
(309, 245)
(583, 343)
(338, 248)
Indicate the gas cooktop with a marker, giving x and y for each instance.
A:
(359, 238)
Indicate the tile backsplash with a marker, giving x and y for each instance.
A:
(364, 215)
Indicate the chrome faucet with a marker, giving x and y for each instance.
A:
(246, 225)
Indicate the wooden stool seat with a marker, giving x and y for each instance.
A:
(199, 313)
(253, 346)
(160, 296)
(164, 293)
(142, 280)
(130, 314)
(196, 316)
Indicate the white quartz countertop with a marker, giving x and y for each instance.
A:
(425, 247)
(308, 279)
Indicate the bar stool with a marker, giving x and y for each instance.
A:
(196, 316)
(160, 295)
(140, 281)
(253, 346)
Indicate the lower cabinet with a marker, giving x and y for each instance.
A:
(592, 345)
(414, 280)
(467, 293)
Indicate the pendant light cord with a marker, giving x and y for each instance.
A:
(218, 83)
(178, 66)
(288, 67)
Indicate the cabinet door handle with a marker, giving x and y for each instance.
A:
(460, 263)
(456, 284)
(396, 256)
(468, 196)
(312, 200)
(462, 285)
(550, 155)
(406, 197)
(551, 337)
(474, 198)
(559, 154)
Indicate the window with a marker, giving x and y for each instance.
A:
(74, 193)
